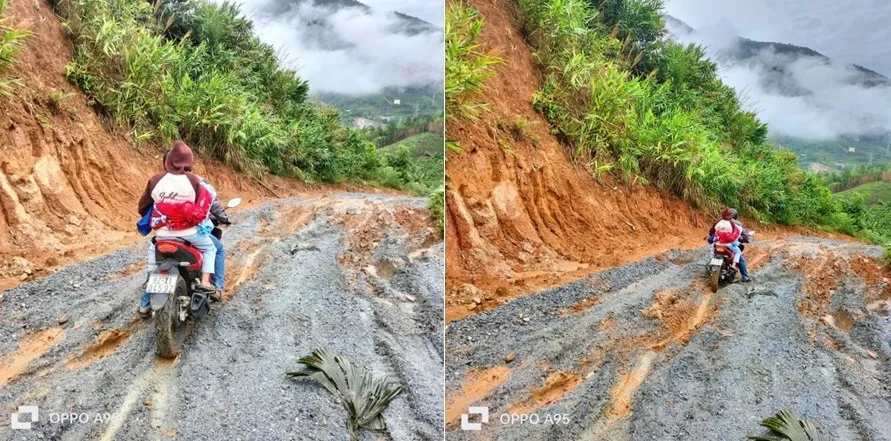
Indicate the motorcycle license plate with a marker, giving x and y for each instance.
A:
(716, 262)
(161, 284)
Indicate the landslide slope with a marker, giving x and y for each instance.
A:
(628, 342)
(522, 215)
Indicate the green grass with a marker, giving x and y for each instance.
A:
(467, 67)
(437, 210)
(424, 145)
(421, 159)
(873, 193)
(11, 42)
(868, 211)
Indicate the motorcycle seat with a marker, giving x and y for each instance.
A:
(178, 249)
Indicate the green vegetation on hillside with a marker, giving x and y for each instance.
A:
(653, 111)
(873, 193)
(869, 209)
(420, 159)
(833, 152)
(864, 194)
(466, 66)
(194, 70)
(11, 40)
(414, 102)
(397, 131)
(852, 177)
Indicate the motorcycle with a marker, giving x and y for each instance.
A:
(173, 289)
(720, 268)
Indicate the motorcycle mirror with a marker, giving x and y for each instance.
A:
(233, 203)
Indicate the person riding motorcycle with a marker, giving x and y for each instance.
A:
(178, 203)
(216, 217)
(742, 235)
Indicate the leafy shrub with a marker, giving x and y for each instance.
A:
(436, 205)
(194, 70)
(11, 42)
(466, 67)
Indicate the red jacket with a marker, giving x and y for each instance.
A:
(728, 236)
(184, 215)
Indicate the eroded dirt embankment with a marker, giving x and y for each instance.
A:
(68, 183)
(521, 214)
(357, 274)
(646, 351)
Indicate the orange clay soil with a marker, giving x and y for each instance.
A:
(528, 217)
(556, 386)
(68, 181)
(33, 346)
(476, 386)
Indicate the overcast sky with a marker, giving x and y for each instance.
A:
(352, 51)
(857, 31)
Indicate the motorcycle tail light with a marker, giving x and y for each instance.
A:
(167, 248)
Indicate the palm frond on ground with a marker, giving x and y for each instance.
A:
(789, 427)
(363, 394)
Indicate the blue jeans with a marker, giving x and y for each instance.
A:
(743, 269)
(219, 271)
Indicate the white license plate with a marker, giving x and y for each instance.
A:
(161, 284)
(716, 262)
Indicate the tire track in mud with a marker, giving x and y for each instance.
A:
(102, 360)
(647, 351)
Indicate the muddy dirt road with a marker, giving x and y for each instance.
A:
(357, 274)
(647, 352)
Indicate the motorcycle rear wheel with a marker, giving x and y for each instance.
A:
(715, 279)
(170, 331)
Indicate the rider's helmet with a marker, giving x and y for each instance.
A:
(735, 214)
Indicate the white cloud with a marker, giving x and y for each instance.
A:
(846, 31)
(350, 51)
(823, 104)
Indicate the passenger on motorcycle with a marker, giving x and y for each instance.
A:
(178, 204)
(728, 231)
(217, 216)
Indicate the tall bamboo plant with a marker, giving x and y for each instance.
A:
(11, 43)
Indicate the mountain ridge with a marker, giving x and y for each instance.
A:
(749, 48)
